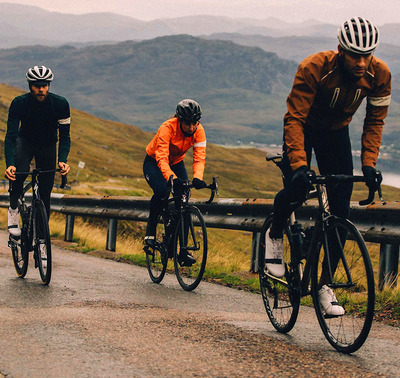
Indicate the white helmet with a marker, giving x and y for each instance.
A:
(358, 35)
(39, 73)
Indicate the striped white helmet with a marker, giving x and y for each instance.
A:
(358, 35)
(39, 73)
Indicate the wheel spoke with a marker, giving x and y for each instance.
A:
(190, 249)
(156, 256)
(279, 296)
(352, 283)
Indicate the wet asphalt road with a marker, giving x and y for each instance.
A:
(100, 318)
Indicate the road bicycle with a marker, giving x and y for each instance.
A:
(35, 235)
(182, 236)
(330, 246)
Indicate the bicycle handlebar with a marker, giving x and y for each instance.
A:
(214, 190)
(38, 171)
(331, 179)
(189, 185)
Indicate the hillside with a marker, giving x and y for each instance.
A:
(113, 154)
(241, 89)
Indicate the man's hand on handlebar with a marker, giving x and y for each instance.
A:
(301, 178)
(10, 173)
(373, 178)
(65, 168)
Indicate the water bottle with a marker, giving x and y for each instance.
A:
(297, 238)
(308, 233)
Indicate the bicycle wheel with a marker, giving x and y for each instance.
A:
(42, 243)
(19, 251)
(190, 249)
(156, 257)
(281, 296)
(352, 283)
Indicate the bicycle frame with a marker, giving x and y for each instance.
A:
(184, 202)
(337, 264)
(34, 185)
(320, 225)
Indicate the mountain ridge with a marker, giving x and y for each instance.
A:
(103, 26)
(140, 82)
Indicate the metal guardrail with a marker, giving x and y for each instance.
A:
(378, 223)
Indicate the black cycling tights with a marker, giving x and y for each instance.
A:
(333, 154)
(45, 159)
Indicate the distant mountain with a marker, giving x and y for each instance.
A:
(19, 26)
(297, 48)
(242, 89)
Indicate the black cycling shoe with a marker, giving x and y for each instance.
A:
(149, 243)
(186, 259)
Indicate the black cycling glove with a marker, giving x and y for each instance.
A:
(199, 184)
(300, 178)
(373, 177)
(178, 183)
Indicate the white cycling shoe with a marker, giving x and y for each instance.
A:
(330, 306)
(43, 255)
(274, 256)
(13, 222)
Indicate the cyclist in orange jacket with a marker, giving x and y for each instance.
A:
(328, 89)
(165, 154)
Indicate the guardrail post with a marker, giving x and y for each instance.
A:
(254, 252)
(112, 234)
(69, 227)
(388, 265)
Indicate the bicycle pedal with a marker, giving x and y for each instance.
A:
(147, 249)
(14, 239)
(186, 261)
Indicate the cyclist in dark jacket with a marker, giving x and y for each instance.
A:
(328, 89)
(36, 121)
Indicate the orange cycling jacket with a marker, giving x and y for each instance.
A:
(323, 97)
(169, 146)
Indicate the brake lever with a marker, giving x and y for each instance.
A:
(64, 181)
(214, 190)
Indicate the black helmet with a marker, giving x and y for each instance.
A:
(188, 111)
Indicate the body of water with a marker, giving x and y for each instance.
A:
(391, 179)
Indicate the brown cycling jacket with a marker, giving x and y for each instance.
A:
(322, 97)
(170, 145)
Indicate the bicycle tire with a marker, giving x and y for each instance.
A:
(194, 242)
(346, 333)
(156, 257)
(42, 242)
(281, 296)
(19, 251)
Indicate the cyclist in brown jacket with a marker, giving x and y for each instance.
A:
(328, 89)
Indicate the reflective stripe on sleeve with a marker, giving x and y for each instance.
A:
(379, 101)
(200, 144)
(65, 121)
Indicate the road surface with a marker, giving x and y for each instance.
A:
(103, 318)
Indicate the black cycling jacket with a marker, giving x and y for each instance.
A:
(38, 122)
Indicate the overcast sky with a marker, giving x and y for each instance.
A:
(331, 11)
